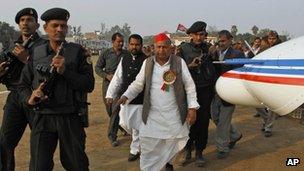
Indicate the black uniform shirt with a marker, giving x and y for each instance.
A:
(77, 77)
(204, 75)
(12, 77)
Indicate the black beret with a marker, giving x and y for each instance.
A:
(26, 11)
(55, 14)
(197, 27)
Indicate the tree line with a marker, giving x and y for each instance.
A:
(8, 34)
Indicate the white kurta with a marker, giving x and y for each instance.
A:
(164, 121)
(129, 115)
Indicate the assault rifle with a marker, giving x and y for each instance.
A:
(50, 75)
(11, 59)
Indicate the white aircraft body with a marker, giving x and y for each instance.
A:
(272, 79)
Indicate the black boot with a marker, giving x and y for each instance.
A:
(169, 167)
(199, 159)
(133, 157)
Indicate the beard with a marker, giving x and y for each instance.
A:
(135, 52)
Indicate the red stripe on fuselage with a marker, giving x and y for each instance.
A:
(266, 79)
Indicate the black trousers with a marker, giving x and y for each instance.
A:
(16, 116)
(113, 114)
(199, 130)
(47, 130)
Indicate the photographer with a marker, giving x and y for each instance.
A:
(202, 71)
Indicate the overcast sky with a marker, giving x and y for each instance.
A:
(148, 17)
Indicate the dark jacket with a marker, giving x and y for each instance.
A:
(130, 69)
(204, 75)
(230, 54)
(222, 68)
(12, 76)
(77, 77)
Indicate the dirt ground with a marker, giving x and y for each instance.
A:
(252, 152)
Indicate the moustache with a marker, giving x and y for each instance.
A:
(24, 28)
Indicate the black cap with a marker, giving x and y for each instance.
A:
(55, 14)
(26, 11)
(197, 27)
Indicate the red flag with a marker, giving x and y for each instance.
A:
(181, 27)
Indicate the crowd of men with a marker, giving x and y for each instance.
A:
(153, 109)
(164, 97)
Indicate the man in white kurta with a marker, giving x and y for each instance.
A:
(163, 135)
(127, 69)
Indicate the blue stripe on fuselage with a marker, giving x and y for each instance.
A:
(267, 62)
(271, 70)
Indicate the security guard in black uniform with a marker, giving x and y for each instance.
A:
(16, 115)
(57, 72)
(202, 71)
